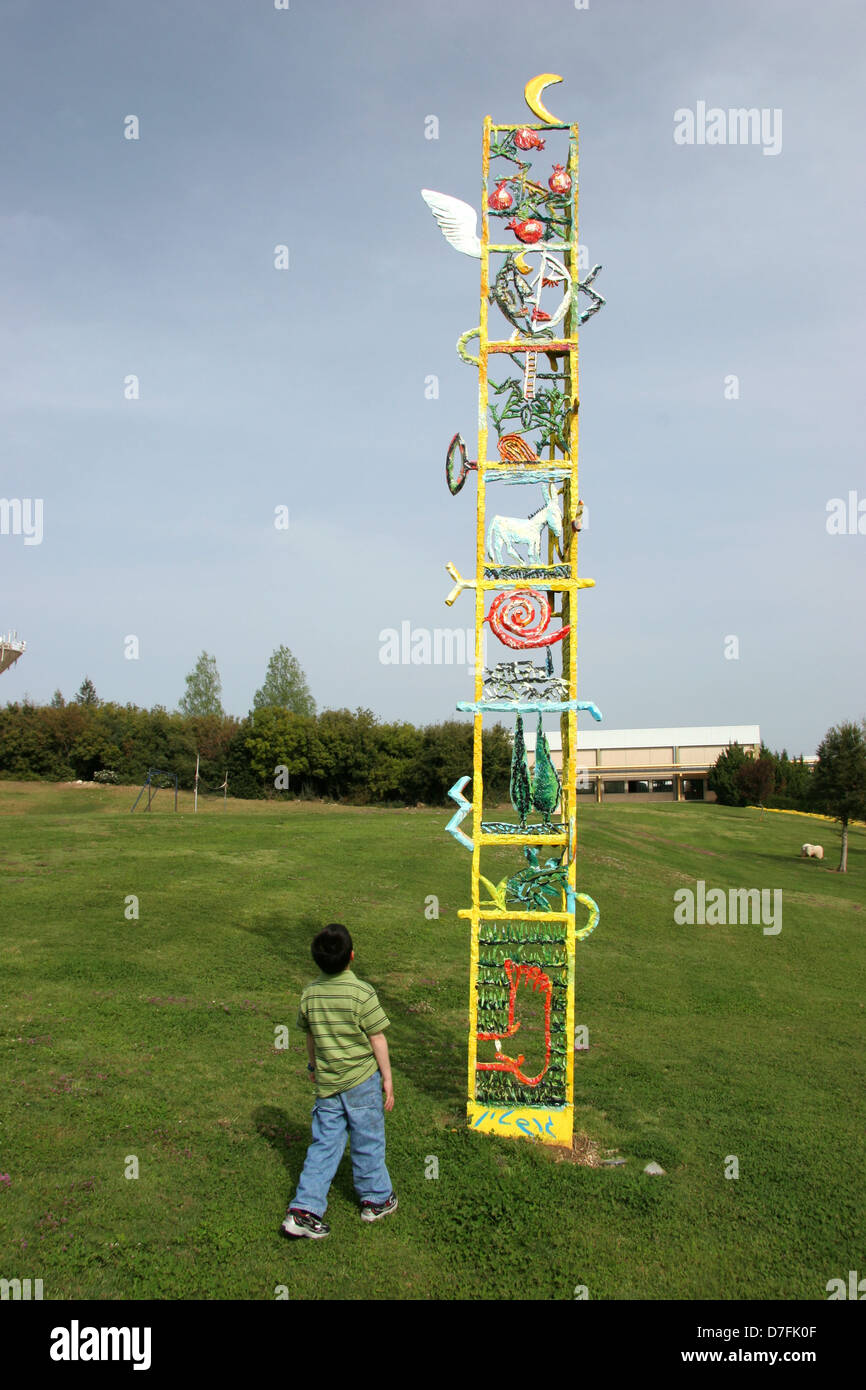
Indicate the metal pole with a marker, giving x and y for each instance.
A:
(149, 788)
(195, 804)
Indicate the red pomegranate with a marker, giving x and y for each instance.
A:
(500, 198)
(530, 230)
(559, 181)
(526, 139)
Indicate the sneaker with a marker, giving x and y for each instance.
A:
(371, 1211)
(304, 1223)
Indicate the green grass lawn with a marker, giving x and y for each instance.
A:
(155, 1038)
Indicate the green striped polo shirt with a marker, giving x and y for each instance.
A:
(341, 1012)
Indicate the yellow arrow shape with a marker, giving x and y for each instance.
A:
(459, 586)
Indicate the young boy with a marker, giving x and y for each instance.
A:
(347, 1051)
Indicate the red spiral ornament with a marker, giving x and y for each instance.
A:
(514, 620)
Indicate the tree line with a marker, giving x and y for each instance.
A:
(765, 779)
(284, 748)
(835, 786)
(338, 754)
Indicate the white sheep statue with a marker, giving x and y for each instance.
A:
(812, 852)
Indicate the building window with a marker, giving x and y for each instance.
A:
(614, 788)
(663, 784)
(693, 789)
(638, 787)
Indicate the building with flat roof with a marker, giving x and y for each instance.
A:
(650, 764)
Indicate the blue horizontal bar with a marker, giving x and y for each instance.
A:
(529, 706)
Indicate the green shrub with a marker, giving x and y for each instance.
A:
(338, 755)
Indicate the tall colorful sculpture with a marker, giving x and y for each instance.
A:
(524, 927)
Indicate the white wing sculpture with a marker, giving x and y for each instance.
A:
(458, 222)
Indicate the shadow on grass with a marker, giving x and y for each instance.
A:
(423, 1050)
(288, 937)
(426, 1053)
(289, 1141)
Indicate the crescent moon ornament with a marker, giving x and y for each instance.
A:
(532, 96)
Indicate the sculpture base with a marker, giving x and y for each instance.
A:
(552, 1124)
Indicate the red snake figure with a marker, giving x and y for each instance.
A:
(534, 975)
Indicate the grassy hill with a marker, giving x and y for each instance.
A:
(154, 1038)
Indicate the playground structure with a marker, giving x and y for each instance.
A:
(155, 772)
(524, 928)
(223, 787)
(147, 786)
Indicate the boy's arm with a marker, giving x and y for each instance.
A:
(304, 1023)
(379, 1044)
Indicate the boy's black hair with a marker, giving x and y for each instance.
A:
(332, 949)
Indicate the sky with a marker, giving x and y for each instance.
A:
(713, 508)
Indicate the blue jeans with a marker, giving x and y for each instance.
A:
(360, 1113)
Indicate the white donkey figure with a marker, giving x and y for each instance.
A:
(507, 532)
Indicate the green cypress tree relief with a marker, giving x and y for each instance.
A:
(518, 790)
(545, 779)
